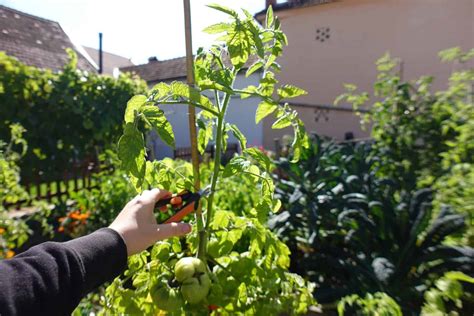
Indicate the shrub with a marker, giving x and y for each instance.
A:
(69, 115)
(353, 232)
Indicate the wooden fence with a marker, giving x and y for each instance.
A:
(185, 152)
(76, 178)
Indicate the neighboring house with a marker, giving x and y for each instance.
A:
(240, 112)
(110, 61)
(36, 41)
(336, 42)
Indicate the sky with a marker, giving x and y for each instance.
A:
(135, 29)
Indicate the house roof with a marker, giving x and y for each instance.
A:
(159, 70)
(36, 41)
(110, 61)
(293, 4)
(164, 70)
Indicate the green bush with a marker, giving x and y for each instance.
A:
(377, 304)
(448, 296)
(353, 232)
(425, 137)
(68, 115)
(13, 233)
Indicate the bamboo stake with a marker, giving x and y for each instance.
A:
(192, 116)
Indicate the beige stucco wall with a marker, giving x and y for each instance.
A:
(361, 31)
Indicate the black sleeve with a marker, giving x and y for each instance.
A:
(51, 278)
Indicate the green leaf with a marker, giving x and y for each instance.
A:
(131, 151)
(456, 275)
(259, 157)
(264, 109)
(289, 91)
(301, 141)
(221, 219)
(269, 18)
(218, 28)
(239, 46)
(243, 293)
(181, 89)
(284, 121)
(224, 9)
(159, 123)
(238, 134)
(204, 136)
(256, 66)
(133, 107)
(159, 91)
(235, 165)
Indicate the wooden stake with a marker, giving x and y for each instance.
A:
(192, 116)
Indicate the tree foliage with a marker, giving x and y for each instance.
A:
(69, 114)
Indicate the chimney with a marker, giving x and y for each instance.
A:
(270, 3)
(152, 59)
(101, 55)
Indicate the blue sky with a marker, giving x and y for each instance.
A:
(135, 29)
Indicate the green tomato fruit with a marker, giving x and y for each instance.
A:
(191, 273)
(194, 290)
(187, 267)
(167, 299)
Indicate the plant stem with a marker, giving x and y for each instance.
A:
(215, 175)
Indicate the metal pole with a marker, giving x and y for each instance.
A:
(192, 115)
(101, 68)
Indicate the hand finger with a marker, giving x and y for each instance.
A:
(165, 231)
(154, 195)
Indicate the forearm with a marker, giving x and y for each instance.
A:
(51, 278)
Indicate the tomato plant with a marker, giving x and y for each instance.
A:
(246, 271)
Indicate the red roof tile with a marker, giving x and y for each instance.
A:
(171, 69)
(36, 41)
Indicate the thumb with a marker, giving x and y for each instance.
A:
(165, 231)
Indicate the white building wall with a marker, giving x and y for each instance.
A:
(240, 112)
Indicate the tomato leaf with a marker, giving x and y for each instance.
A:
(254, 67)
(133, 107)
(284, 121)
(131, 151)
(159, 123)
(218, 28)
(269, 17)
(289, 91)
(261, 159)
(264, 109)
(238, 134)
(204, 135)
(224, 9)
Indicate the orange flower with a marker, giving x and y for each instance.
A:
(75, 215)
(2, 230)
(61, 229)
(10, 254)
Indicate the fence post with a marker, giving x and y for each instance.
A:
(277, 148)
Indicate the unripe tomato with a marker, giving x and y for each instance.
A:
(167, 298)
(187, 267)
(195, 290)
(195, 282)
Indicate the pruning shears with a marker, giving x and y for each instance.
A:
(182, 203)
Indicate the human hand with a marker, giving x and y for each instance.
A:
(137, 224)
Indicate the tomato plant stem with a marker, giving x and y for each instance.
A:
(215, 175)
